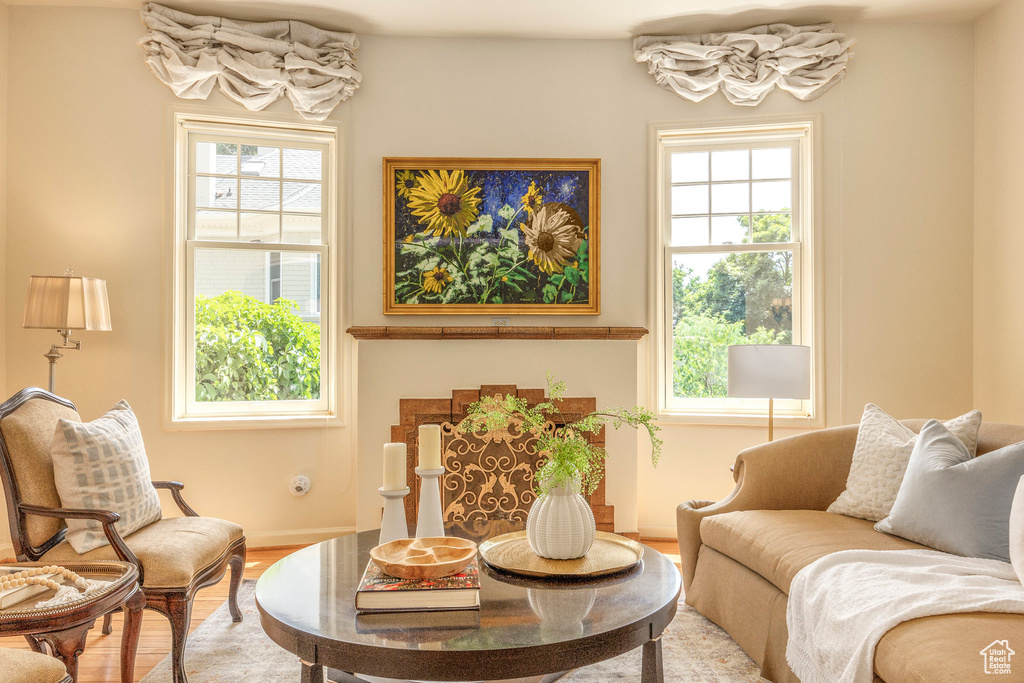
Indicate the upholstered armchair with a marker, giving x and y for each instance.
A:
(22, 666)
(175, 556)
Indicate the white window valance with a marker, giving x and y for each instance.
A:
(747, 65)
(254, 63)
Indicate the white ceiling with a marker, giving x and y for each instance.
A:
(558, 18)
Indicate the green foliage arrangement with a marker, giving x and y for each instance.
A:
(247, 350)
(732, 305)
(568, 456)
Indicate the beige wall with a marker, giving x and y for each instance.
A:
(998, 225)
(89, 146)
(4, 40)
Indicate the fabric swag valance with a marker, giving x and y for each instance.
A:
(253, 63)
(747, 65)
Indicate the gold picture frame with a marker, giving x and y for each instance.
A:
(486, 236)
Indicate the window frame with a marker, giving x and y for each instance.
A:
(803, 135)
(185, 411)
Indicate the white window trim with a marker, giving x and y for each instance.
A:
(808, 284)
(268, 414)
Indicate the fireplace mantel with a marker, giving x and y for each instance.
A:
(361, 333)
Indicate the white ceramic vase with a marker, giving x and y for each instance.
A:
(561, 525)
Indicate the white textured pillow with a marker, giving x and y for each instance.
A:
(102, 465)
(1017, 531)
(880, 460)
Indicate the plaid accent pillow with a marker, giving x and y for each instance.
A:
(102, 465)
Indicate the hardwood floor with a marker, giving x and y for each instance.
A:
(100, 661)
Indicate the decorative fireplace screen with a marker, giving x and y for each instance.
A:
(488, 475)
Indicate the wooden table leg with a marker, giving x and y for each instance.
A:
(130, 634)
(311, 673)
(652, 670)
(66, 645)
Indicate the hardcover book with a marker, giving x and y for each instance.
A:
(383, 593)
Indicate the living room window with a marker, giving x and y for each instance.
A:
(734, 260)
(254, 216)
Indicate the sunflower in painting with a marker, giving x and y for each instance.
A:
(435, 280)
(553, 236)
(405, 182)
(445, 202)
(533, 198)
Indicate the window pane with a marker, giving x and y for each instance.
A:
(261, 161)
(731, 198)
(216, 157)
(260, 227)
(690, 199)
(730, 165)
(301, 229)
(264, 195)
(216, 193)
(730, 229)
(688, 232)
(772, 227)
(216, 225)
(773, 196)
(690, 167)
(772, 163)
(723, 299)
(248, 349)
(303, 164)
(302, 197)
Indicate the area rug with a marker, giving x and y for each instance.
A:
(219, 651)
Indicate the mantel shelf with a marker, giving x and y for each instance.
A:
(511, 332)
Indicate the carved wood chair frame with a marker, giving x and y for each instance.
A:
(174, 603)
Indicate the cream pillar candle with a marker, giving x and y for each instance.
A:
(430, 447)
(394, 467)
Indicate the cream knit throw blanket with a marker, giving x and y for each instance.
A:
(842, 605)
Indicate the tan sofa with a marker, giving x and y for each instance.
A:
(740, 555)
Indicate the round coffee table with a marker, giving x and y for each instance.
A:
(524, 628)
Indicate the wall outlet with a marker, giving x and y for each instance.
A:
(299, 486)
(501, 322)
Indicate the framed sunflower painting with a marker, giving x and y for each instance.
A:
(492, 236)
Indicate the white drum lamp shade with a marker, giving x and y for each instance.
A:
(62, 302)
(770, 371)
(65, 303)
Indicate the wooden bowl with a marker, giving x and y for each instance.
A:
(424, 558)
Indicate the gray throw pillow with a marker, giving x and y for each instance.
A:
(953, 502)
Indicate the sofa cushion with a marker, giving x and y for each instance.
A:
(946, 647)
(171, 550)
(23, 666)
(778, 543)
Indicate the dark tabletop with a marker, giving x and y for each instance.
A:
(525, 626)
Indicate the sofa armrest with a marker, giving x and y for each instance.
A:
(803, 472)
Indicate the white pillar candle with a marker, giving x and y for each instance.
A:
(394, 467)
(430, 447)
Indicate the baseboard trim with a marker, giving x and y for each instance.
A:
(658, 531)
(270, 539)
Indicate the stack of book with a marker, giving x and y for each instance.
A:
(379, 592)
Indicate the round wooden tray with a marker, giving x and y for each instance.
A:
(610, 553)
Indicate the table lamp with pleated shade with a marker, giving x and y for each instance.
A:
(65, 303)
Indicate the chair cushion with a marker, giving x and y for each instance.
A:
(102, 465)
(172, 551)
(28, 437)
(25, 666)
(947, 647)
(778, 543)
